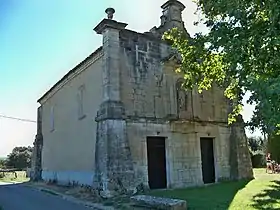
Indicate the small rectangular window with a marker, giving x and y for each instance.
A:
(80, 97)
(52, 119)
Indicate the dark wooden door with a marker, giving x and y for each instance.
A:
(156, 162)
(207, 157)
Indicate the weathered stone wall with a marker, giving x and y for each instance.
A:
(183, 154)
(240, 159)
(114, 166)
(36, 157)
(156, 105)
(152, 89)
(142, 87)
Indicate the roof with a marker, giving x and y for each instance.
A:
(71, 72)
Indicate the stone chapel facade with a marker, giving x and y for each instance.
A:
(120, 119)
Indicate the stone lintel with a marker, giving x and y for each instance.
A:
(108, 23)
(110, 110)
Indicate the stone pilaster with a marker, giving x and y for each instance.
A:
(36, 162)
(114, 167)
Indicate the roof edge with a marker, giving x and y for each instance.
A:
(73, 70)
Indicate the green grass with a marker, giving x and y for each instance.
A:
(261, 193)
(10, 177)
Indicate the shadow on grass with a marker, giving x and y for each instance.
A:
(218, 196)
(268, 197)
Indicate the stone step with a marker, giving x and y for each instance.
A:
(152, 202)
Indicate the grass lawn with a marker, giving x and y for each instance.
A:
(261, 193)
(10, 177)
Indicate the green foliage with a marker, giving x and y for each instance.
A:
(240, 53)
(2, 163)
(255, 144)
(19, 158)
(274, 147)
(257, 151)
(258, 160)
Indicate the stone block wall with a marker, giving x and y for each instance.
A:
(151, 88)
(155, 104)
(183, 154)
(142, 88)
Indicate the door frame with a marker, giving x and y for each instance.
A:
(214, 154)
(167, 158)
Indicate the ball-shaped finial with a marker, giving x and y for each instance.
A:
(110, 13)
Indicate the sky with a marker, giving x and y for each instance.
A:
(40, 41)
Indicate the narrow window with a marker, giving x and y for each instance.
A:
(80, 97)
(52, 119)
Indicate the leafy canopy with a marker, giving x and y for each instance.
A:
(241, 53)
(19, 158)
(256, 144)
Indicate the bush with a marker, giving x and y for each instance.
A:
(274, 147)
(258, 160)
(19, 158)
(2, 175)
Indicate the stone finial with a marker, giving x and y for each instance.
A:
(110, 13)
(109, 23)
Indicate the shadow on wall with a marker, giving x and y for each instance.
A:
(217, 196)
(268, 197)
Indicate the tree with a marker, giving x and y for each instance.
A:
(274, 147)
(240, 53)
(2, 163)
(19, 158)
(255, 144)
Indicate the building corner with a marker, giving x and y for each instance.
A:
(114, 165)
(36, 158)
